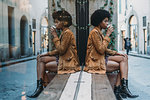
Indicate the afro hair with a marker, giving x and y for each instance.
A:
(98, 16)
(63, 16)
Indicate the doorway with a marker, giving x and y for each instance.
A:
(145, 41)
(123, 41)
(33, 41)
(11, 31)
(24, 36)
(133, 35)
(44, 34)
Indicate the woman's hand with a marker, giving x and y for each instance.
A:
(109, 30)
(38, 57)
(125, 55)
(41, 55)
(53, 32)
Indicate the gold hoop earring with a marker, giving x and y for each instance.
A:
(65, 23)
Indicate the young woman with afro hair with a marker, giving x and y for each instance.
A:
(100, 59)
(62, 60)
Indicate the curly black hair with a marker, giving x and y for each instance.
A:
(98, 16)
(63, 15)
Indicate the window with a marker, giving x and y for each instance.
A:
(119, 6)
(148, 38)
(144, 21)
(30, 35)
(126, 4)
(34, 23)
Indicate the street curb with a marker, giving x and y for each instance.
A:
(7, 63)
(142, 56)
(136, 54)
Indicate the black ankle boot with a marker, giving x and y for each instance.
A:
(125, 92)
(38, 90)
(117, 93)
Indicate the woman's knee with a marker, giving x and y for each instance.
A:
(43, 59)
(38, 58)
(124, 59)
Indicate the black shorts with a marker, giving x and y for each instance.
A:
(57, 60)
(106, 60)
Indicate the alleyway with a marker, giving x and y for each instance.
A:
(20, 79)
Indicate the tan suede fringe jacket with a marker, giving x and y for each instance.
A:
(67, 51)
(96, 51)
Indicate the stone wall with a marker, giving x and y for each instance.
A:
(70, 6)
(28, 9)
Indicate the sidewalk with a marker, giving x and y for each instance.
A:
(131, 53)
(2, 64)
(140, 55)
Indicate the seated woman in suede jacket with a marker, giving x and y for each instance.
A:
(66, 61)
(97, 52)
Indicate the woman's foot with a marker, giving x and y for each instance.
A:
(117, 92)
(125, 92)
(38, 90)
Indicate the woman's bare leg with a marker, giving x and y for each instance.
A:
(113, 66)
(118, 82)
(41, 65)
(41, 62)
(51, 66)
(40, 71)
(122, 91)
(123, 62)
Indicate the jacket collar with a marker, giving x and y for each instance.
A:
(63, 32)
(99, 31)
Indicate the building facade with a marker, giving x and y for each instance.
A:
(134, 22)
(22, 23)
